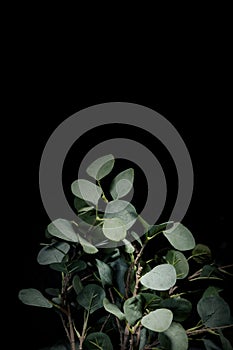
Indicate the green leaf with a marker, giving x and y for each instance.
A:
(87, 246)
(113, 309)
(122, 184)
(77, 284)
(98, 341)
(61, 267)
(77, 265)
(34, 297)
(91, 297)
(212, 291)
(143, 338)
(129, 248)
(62, 229)
(86, 190)
(210, 345)
(53, 291)
(180, 237)
(101, 167)
(201, 254)
(122, 210)
(53, 253)
(136, 237)
(214, 311)
(151, 301)
(133, 309)
(114, 229)
(226, 345)
(105, 273)
(158, 320)
(180, 307)
(155, 229)
(119, 267)
(180, 263)
(175, 336)
(161, 277)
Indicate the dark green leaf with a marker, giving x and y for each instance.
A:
(86, 190)
(214, 311)
(53, 253)
(77, 284)
(34, 297)
(180, 307)
(60, 267)
(53, 291)
(154, 229)
(105, 273)
(119, 267)
(210, 345)
(151, 301)
(122, 184)
(174, 337)
(201, 253)
(180, 237)
(161, 277)
(62, 229)
(101, 167)
(143, 338)
(98, 341)
(211, 291)
(180, 263)
(76, 266)
(226, 345)
(133, 309)
(91, 297)
(113, 309)
(158, 320)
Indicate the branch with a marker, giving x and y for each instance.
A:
(117, 321)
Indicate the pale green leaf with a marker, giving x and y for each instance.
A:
(180, 237)
(53, 253)
(87, 246)
(122, 210)
(34, 297)
(86, 190)
(113, 309)
(62, 229)
(101, 167)
(161, 277)
(114, 229)
(122, 184)
(158, 320)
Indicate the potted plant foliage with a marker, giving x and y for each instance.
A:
(115, 291)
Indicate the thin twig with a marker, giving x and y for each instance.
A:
(117, 321)
(138, 275)
(64, 326)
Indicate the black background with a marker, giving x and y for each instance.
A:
(188, 84)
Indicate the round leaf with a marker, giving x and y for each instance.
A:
(122, 210)
(53, 253)
(91, 297)
(122, 184)
(175, 336)
(180, 308)
(214, 311)
(86, 190)
(114, 229)
(180, 263)
(105, 272)
(201, 254)
(158, 320)
(98, 341)
(87, 246)
(133, 309)
(62, 229)
(161, 277)
(180, 237)
(101, 167)
(34, 297)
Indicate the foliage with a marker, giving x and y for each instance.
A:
(144, 298)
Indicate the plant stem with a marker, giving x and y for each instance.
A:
(72, 337)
